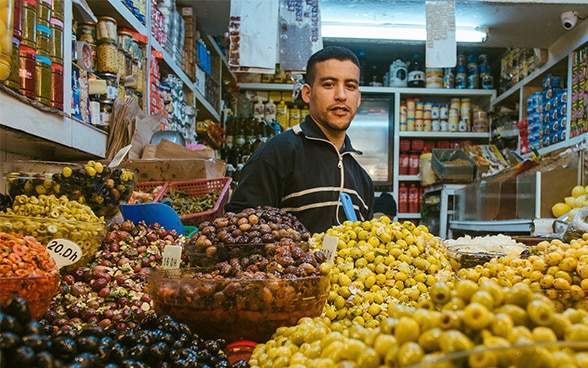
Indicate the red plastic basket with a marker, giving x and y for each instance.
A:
(199, 188)
(149, 187)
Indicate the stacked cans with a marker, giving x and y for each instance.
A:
(547, 114)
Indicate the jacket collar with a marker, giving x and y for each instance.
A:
(310, 129)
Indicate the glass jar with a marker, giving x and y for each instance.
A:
(13, 81)
(16, 19)
(43, 11)
(107, 57)
(106, 29)
(43, 40)
(124, 40)
(57, 86)
(87, 32)
(6, 44)
(27, 71)
(94, 109)
(111, 86)
(105, 114)
(56, 48)
(29, 23)
(43, 80)
(57, 9)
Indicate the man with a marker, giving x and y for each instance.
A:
(305, 169)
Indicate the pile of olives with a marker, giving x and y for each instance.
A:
(466, 325)
(381, 263)
(156, 342)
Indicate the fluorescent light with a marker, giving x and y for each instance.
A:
(395, 32)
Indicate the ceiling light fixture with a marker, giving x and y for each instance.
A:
(396, 32)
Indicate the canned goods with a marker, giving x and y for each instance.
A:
(106, 29)
(107, 57)
(43, 79)
(434, 78)
(29, 23)
(43, 43)
(57, 86)
(56, 48)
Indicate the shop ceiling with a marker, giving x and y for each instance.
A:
(514, 23)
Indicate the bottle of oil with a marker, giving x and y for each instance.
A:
(416, 73)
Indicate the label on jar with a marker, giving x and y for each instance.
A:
(65, 252)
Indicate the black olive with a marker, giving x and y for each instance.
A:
(92, 331)
(222, 364)
(212, 346)
(64, 347)
(181, 363)
(117, 354)
(240, 364)
(103, 351)
(203, 355)
(137, 352)
(157, 352)
(11, 323)
(33, 328)
(85, 360)
(173, 355)
(129, 363)
(88, 344)
(167, 338)
(44, 359)
(37, 342)
(24, 355)
(66, 332)
(127, 337)
(145, 338)
(9, 340)
(19, 308)
(111, 365)
(150, 322)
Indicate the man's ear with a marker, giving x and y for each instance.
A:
(305, 92)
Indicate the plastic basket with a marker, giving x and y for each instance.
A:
(149, 187)
(199, 188)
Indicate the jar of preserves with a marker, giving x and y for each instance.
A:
(27, 71)
(111, 86)
(106, 29)
(105, 114)
(124, 40)
(94, 110)
(57, 86)
(87, 32)
(56, 49)
(16, 19)
(107, 57)
(13, 81)
(43, 12)
(29, 23)
(43, 80)
(6, 44)
(43, 40)
(57, 9)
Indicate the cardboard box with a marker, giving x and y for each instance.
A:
(176, 169)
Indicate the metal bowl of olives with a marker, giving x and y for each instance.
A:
(468, 256)
(99, 186)
(37, 290)
(236, 308)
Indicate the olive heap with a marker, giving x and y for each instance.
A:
(157, 341)
(557, 268)
(112, 290)
(381, 263)
(466, 325)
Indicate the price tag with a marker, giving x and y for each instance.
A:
(65, 252)
(171, 256)
(120, 155)
(329, 247)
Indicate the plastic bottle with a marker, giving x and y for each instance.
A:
(416, 73)
(282, 114)
(403, 164)
(413, 199)
(269, 112)
(426, 169)
(398, 73)
(403, 198)
(294, 116)
(413, 164)
(363, 71)
(259, 110)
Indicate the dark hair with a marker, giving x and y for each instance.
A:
(386, 204)
(328, 53)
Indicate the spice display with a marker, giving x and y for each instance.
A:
(29, 23)
(56, 49)
(43, 80)
(57, 86)
(106, 29)
(107, 57)
(43, 45)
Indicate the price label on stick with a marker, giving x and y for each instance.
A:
(329, 248)
(65, 252)
(171, 256)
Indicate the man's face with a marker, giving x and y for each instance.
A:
(334, 96)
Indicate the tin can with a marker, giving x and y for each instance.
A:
(43, 44)
(29, 23)
(56, 48)
(434, 78)
(448, 78)
(106, 29)
(43, 79)
(27, 71)
(57, 86)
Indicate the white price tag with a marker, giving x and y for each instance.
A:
(329, 247)
(171, 256)
(65, 252)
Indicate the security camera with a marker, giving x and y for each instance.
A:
(569, 19)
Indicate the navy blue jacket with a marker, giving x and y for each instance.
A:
(302, 172)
